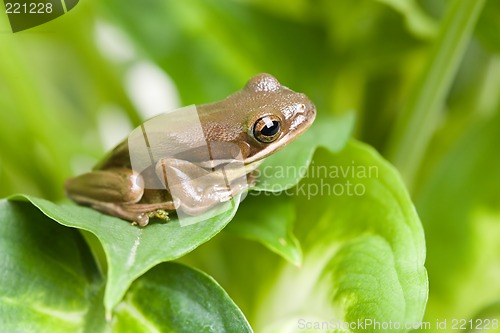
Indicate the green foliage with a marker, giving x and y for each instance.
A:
(420, 81)
(131, 251)
(363, 255)
(339, 265)
(55, 286)
(49, 279)
(420, 118)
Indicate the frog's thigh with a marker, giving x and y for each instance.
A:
(118, 185)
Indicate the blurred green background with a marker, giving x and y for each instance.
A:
(422, 76)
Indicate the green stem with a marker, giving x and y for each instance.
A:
(415, 127)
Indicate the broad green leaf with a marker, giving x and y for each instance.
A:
(51, 284)
(284, 169)
(175, 298)
(269, 220)
(49, 281)
(363, 253)
(364, 247)
(131, 251)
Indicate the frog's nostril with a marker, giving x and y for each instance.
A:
(311, 110)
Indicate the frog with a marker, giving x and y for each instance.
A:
(252, 123)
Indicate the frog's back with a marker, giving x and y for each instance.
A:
(119, 157)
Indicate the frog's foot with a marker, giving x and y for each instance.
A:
(159, 214)
(143, 212)
(137, 218)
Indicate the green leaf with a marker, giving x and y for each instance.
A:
(269, 220)
(363, 254)
(131, 251)
(175, 298)
(49, 280)
(50, 283)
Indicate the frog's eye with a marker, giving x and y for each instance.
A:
(267, 129)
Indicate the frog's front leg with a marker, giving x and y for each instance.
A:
(116, 192)
(196, 188)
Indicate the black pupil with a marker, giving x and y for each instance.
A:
(270, 131)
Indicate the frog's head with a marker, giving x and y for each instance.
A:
(276, 116)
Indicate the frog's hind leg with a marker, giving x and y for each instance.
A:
(117, 185)
(109, 191)
(137, 218)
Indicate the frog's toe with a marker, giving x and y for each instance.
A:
(159, 214)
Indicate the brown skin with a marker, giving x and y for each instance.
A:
(253, 123)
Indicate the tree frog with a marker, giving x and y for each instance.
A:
(256, 122)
